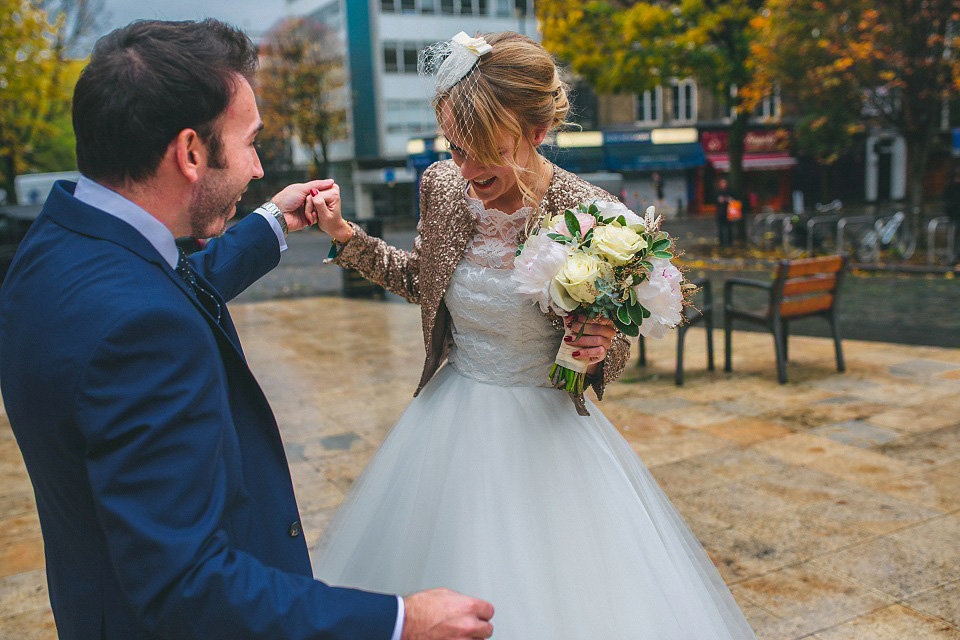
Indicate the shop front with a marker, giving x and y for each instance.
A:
(767, 165)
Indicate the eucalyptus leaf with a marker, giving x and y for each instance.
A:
(573, 225)
(631, 330)
(662, 254)
(636, 313)
(660, 245)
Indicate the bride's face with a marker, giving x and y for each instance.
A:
(493, 184)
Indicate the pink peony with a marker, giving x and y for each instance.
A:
(661, 294)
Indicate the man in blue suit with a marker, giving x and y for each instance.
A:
(161, 482)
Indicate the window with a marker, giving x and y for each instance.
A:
(410, 117)
(387, 6)
(650, 106)
(409, 58)
(683, 101)
(466, 7)
(428, 6)
(390, 60)
(482, 7)
(446, 7)
(504, 10)
(769, 107)
(400, 57)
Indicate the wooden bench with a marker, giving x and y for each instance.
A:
(801, 289)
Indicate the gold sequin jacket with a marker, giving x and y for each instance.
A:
(446, 226)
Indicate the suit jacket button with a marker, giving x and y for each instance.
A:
(295, 529)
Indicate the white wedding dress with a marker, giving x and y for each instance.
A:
(490, 484)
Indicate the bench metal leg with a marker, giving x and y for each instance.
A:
(727, 328)
(778, 346)
(708, 322)
(678, 376)
(835, 328)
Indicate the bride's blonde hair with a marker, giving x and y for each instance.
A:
(514, 89)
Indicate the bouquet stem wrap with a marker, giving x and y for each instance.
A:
(567, 372)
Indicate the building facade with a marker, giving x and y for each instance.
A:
(387, 102)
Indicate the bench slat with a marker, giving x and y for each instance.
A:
(803, 306)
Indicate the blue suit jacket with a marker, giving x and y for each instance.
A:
(162, 486)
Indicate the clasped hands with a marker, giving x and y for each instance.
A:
(315, 202)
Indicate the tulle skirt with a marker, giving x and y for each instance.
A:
(506, 494)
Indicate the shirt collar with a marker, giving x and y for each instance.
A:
(100, 197)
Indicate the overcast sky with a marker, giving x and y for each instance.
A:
(253, 16)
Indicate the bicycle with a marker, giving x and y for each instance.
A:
(805, 231)
(891, 234)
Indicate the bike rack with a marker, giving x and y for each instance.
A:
(842, 226)
(811, 226)
(949, 252)
(770, 235)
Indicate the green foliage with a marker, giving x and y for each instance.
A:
(35, 84)
(621, 46)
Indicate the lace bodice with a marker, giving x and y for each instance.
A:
(494, 244)
(499, 336)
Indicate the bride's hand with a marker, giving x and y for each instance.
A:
(324, 204)
(595, 342)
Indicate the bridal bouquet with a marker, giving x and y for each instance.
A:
(601, 259)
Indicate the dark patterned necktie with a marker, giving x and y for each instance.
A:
(206, 297)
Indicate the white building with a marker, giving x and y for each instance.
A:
(388, 103)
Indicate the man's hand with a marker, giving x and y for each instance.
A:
(292, 202)
(440, 614)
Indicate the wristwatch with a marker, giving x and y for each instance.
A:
(274, 210)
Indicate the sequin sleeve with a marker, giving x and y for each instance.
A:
(396, 270)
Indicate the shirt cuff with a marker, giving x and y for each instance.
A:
(398, 628)
(276, 228)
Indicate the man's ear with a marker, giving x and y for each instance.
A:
(190, 154)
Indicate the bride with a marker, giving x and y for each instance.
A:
(492, 482)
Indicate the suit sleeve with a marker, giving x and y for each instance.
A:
(156, 421)
(240, 257)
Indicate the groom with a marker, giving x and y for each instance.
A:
(161, 483)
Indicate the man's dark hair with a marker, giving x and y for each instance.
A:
(149, 81)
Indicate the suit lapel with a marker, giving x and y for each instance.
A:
(81, 218)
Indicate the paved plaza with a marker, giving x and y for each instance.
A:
(830, 505)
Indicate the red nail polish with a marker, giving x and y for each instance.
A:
(576, 354)
(568, 338)
(313, 192)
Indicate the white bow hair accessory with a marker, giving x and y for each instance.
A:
(478, 46)
(453, 59)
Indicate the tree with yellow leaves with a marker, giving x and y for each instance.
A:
(29, 96)
(628, 46)
(302, 79)
(849, 61)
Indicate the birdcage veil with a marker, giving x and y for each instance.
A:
(453, 64)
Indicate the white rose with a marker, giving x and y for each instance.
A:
(617, 245)
(573, 284)
(535, 267)
(662, 295)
